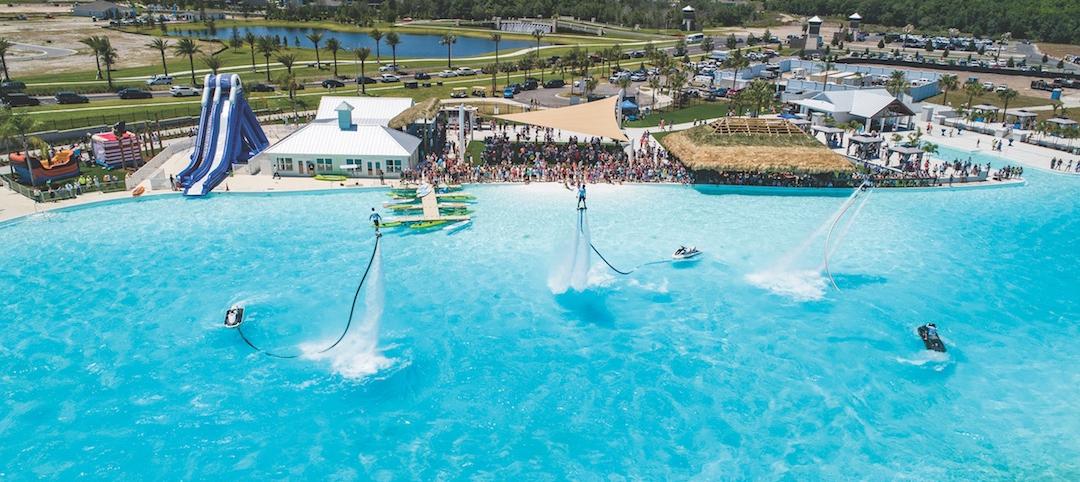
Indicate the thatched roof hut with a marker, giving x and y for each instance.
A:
(737, 144)
(421, 110)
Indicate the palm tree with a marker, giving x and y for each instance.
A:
(1006, 95)
(315, 38)
(707, 44)
(333, 46)
(654, 84)
(972, 89)
(897, 83)
(287, 60)
(825, 81)
(393, 40)
(496, 38)
(538, 34)
(189, 48)
(212, 62)
(267, 47)
(5, 45)
(94, 43)
(377, 36)
(736, 61)
(287, 81)
(251, 40)
(362, 54)
(19, 126)
(493, 70)
(108, 57)
(948, 83)
(160, 45)
(507, 67)
(448, 39)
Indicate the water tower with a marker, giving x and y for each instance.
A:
(688, 22)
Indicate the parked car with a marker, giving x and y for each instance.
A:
(530, 84)
(70, 98)
(638, 54)
(508, 92)
(447, 73)
(130, 93)
(387, 78)
(18, 99)
(12, 86)
(260, 87)
(554, 84)
(366, 80)
(616, 77)
(639, 77)
(464, 71)
(332, 84)
(422, 76)
(160, 79)
(988, 86)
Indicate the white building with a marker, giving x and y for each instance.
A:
(349, 136)
(876, 109)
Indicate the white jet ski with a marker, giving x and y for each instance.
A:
(685, 252)
(234, 317)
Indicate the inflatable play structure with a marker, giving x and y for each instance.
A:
(63, 165)
(115, 152)
(228, 134)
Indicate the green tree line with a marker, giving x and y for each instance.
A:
(1046, 20)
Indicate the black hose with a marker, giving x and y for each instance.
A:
(352, 311)
(581, 216)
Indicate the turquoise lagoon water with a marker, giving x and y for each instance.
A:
(743, 365)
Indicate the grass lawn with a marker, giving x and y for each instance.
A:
(103, 112)
(703, 110)
(959, 99)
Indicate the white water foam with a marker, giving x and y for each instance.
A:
(570, 268)
(358, 355)
(795, 277)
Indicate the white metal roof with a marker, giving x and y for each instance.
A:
(325, 138)
(366, 110)
(855, 16)
(862, 102)
(814, 19)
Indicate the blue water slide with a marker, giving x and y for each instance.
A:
(209, 106)
(234, 136)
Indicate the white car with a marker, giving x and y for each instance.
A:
(463, 71)
(386, 78)
(448, 73)
(184, 91)
(159, 80)
(988, 85)
(390, 68)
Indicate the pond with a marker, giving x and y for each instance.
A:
(411, 46)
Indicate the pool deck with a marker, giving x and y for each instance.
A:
(13, 205)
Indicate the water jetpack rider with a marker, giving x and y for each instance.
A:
(581, 197)
(375, 219)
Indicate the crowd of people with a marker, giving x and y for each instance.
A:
(535, 154)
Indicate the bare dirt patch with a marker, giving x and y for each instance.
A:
(64, 32)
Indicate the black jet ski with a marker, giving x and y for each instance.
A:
(234, 317)
(685, 253)
(930, 338)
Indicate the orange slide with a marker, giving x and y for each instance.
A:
(61, 158)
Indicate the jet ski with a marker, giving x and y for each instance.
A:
(234, 317)
(685, 253)
(930, 338)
